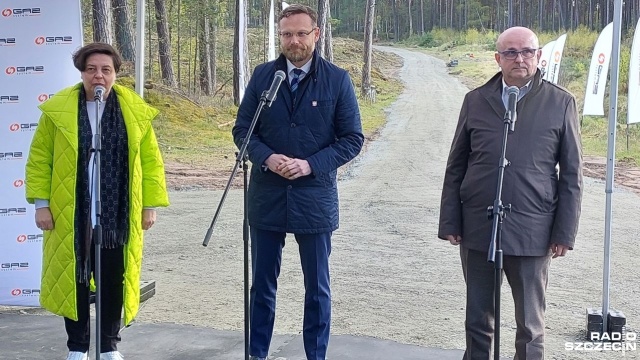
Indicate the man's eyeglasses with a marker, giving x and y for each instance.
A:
(513, 54)
(299, 34)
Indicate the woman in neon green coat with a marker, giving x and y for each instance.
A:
(59, 177)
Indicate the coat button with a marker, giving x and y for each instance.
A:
(293, 125)
(289, 187)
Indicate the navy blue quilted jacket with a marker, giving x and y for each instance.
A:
(322, 127)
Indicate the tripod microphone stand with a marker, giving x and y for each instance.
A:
(267, 98)
(97, 229)
(497, 212)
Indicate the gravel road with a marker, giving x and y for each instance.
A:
(392, 278)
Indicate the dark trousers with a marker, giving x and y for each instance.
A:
(266, 255)
(112, 277)
(527, 277)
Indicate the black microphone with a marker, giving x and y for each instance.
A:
(273, 90)
(512, 92)
(98, 92)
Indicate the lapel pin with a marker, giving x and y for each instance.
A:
(314, 103)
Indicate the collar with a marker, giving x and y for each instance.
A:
(305, 68)
(523, 91)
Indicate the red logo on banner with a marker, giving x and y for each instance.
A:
(39, 40)
(601, 58)
(10, 70)
(16, 292)
(7, 12)
(18, 183)
(43, 97)
(557, 56)
(22, 238)
(14, 127)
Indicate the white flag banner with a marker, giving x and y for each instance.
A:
(633, 114)
(35, 62)
(272, 33)
(242, 39)
(545, 58)
(284, 5)
(556, 58)
(598, 70)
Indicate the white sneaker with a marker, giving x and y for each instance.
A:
(77, 355)
(111, 355)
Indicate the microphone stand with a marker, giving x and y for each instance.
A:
(498, 212)
(97, 230)
(241, 158)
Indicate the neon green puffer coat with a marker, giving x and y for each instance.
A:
(51, 174)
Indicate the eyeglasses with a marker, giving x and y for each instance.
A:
(513, 54)
(299, 34)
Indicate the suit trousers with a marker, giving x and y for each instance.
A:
(266, 255)
(112, 281)
(528, 278)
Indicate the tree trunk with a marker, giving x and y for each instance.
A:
(125, 38)
(164, 46)
(410, 18)
(102, 26)
(214, 65)
(421, 17)
(328, 36)
(179, 80)
(396, 20)
(368, 91)
(204, 54)
(323, 8)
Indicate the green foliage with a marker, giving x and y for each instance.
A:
(580, 43)
(427, 40)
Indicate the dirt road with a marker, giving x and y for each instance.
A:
(392, 278)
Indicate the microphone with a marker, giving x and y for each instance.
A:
(273, 90)
(98, 93)
(512, 92)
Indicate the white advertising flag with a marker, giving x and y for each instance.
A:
(556, 58)
(545, 59)
(598, 70)
(633, 114)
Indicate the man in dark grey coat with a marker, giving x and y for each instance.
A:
(543, 184)
(312, 128)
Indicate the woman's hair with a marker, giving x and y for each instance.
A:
(80, 57)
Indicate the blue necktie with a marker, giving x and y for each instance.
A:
(295, 79)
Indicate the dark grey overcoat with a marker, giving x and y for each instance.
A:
(543, 184)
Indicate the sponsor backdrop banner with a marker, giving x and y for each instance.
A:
(598, 70)
(37, 38)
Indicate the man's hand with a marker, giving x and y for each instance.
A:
(44, 219)
(559, 250)
(274, 161)
(148, 218)
(454, 239)
(294, 168)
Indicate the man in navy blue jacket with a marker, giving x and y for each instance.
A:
(311, 129)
